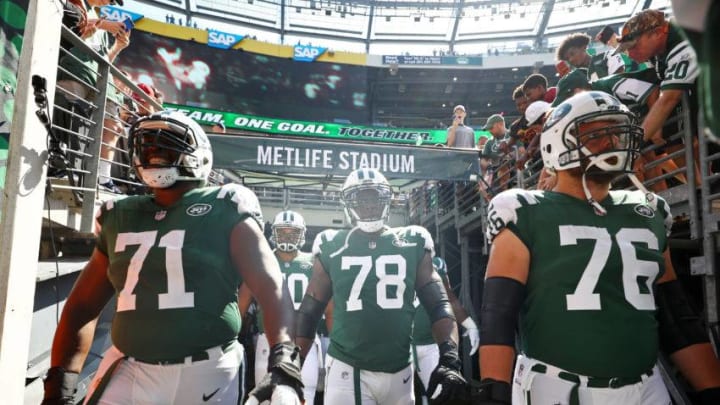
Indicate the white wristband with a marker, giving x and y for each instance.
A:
(468, 323)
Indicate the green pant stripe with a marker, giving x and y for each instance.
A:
(356, 386)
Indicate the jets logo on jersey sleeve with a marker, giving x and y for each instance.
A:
(503, 209)
(408, 236)
(323, 237)
(245, 200)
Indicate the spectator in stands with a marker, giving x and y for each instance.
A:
(536, 114)
(698, 21)
(218, 127)
(517, 128)
(574, 50)
(458, 134)
(145, 107)
(493, 162)
(607, 36)
(535, 88)
(648, 36)
(77, 77)
(570, 84)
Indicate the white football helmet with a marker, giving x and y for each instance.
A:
(167, 147)
(288, 241)
(562, 149)
(369, 210)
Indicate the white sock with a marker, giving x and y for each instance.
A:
(103, 172)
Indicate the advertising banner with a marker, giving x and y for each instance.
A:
(313, 129)
(307, 53)
(432, 60)
(223, 40)
(118, 14)
(297, 156)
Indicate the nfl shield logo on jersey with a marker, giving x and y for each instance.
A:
(644, 210)
(160, 215)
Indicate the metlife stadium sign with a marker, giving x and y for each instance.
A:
(307, 53)
(313, 129)
(303, 156)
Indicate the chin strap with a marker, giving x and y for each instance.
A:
(649, 197)
(599, 209)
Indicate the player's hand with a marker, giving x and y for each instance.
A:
(472, 333)
(492, 392)
(446, 382)
(283, 371)
(60, 386)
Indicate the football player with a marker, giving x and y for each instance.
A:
(173, 260)
(425, 351)
(288, 235)
(586, 274)
(373, 272)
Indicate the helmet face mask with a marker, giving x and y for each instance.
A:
(594, 132)
(366, 196)
(168, 147)
(288, 231)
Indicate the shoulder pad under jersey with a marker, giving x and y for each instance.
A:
(503, 209)
(245, 200)
(321, 238)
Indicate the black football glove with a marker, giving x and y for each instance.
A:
(283, 369)
(492, 392)
(710, 396)
(60, 386)
(446, 382)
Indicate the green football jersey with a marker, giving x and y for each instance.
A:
(297, 273)
(373, 283)
(422, 331)
(678, 67)
(632, 89)
(176, 284)
(589, 305)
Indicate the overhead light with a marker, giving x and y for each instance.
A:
(443, 105)
(454, 79)
(489, 104)
(515, 69)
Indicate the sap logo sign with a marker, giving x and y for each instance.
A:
(223, 40)
(306, 53)
(111, 13)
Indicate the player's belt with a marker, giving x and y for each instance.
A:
(200, 356)
(591, 382)
(585, 381)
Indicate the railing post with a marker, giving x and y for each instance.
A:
(20, 222)
(93, 149)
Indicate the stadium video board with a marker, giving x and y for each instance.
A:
(194, 74)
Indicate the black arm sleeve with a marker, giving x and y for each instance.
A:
(308, 316)
(679, 326)
(502, 299)
(435, 300)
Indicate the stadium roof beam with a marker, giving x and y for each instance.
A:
(547, 9)
(370, 25)
(458, 13)
(282, 21)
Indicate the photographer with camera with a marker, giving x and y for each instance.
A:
(458, 134)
